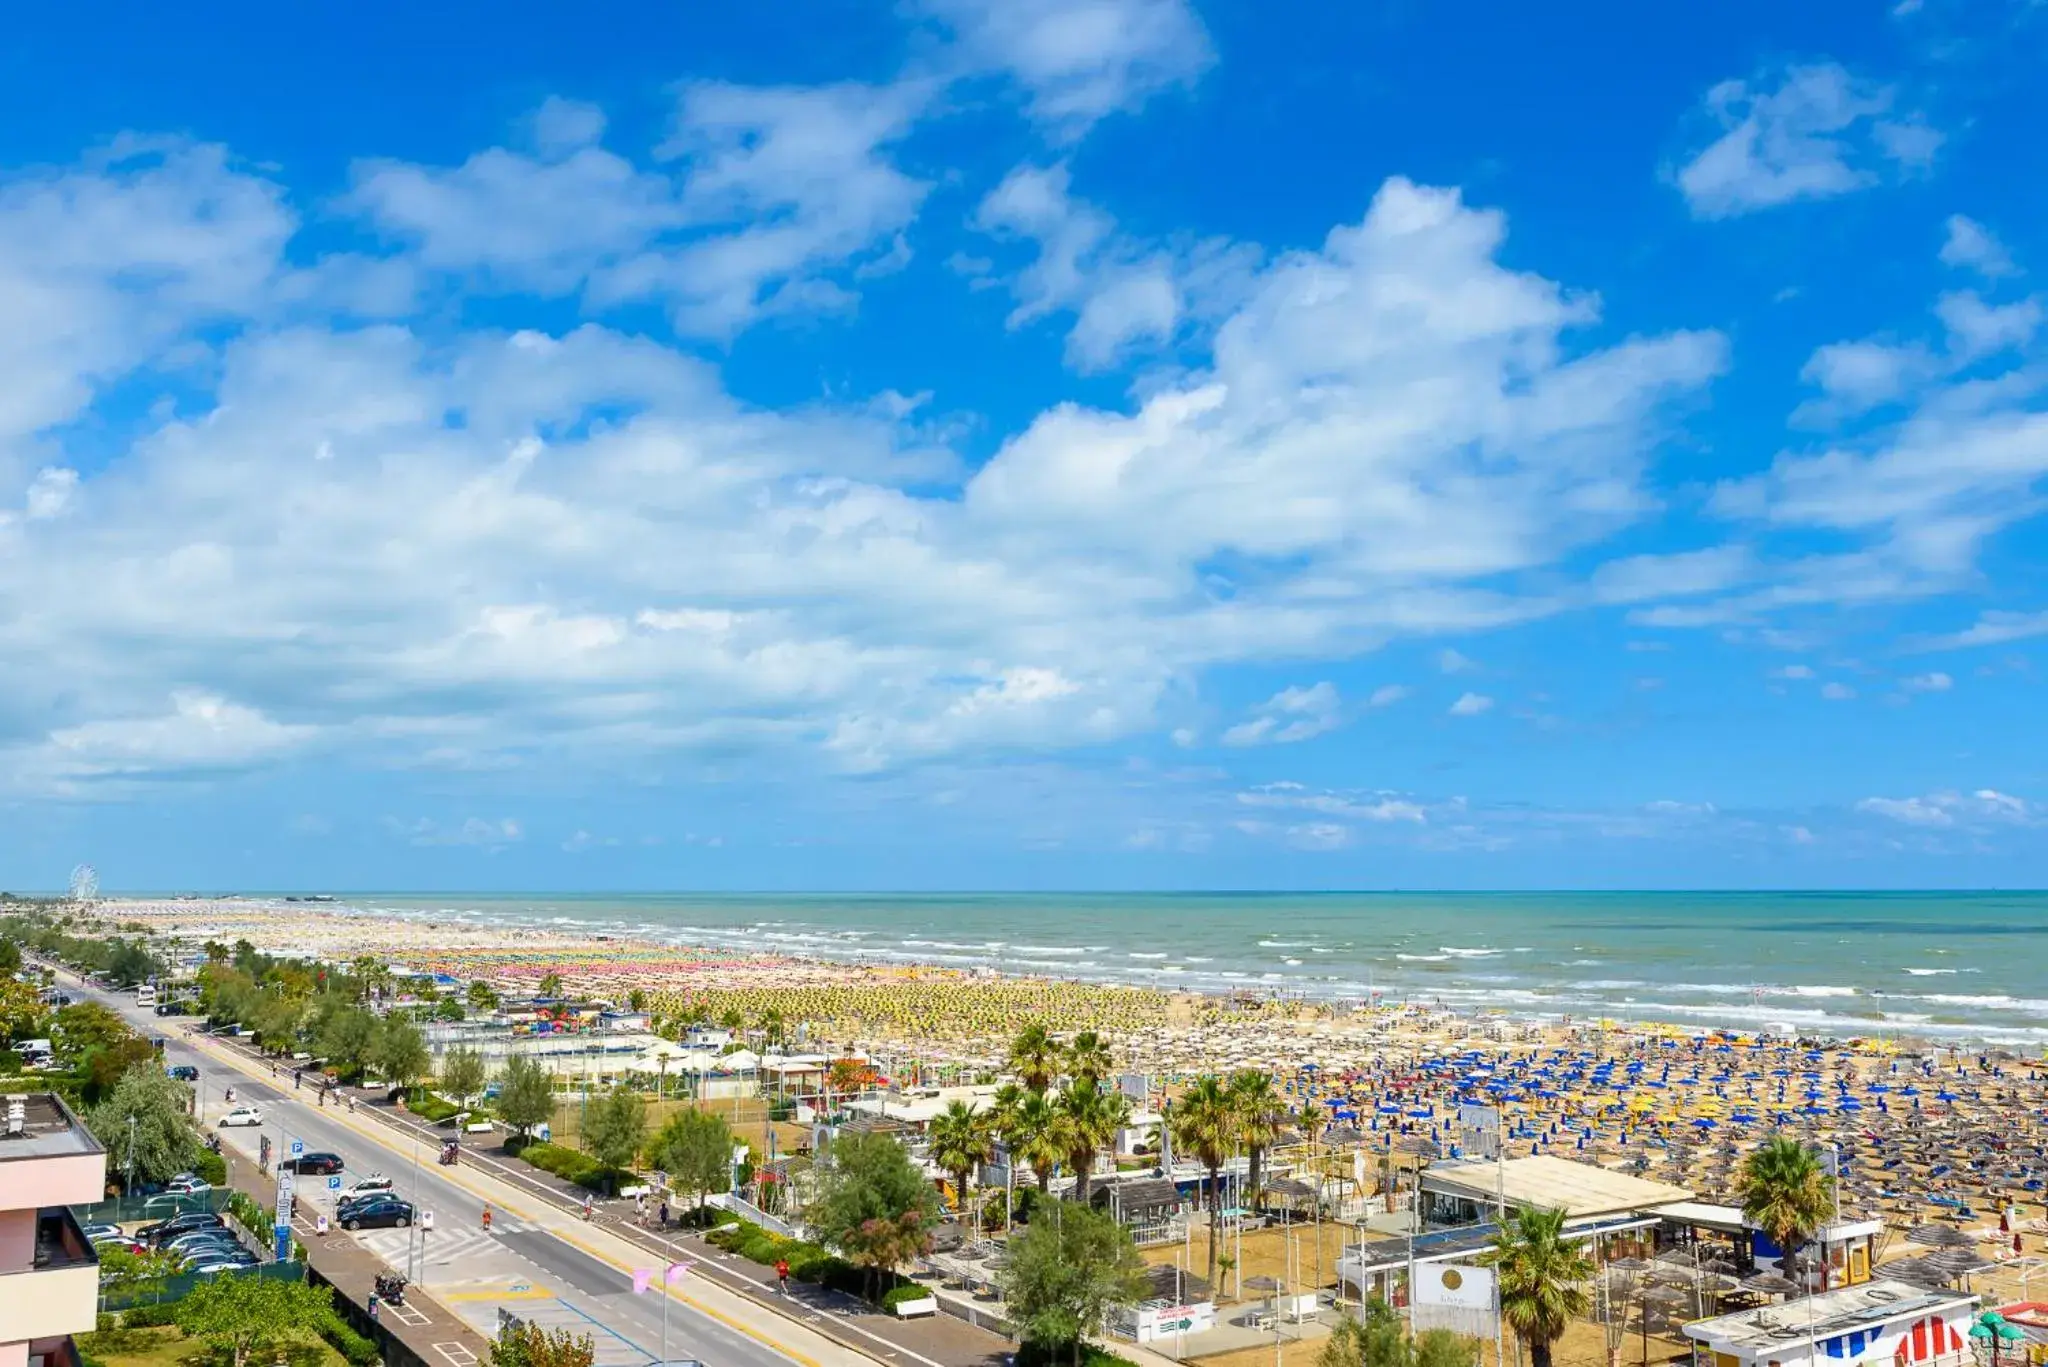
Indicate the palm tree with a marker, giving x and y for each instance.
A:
(482, 996)
(1035, 1057)
(961, 1141)
(1542, 1278)
(550, 984)
(1037, 1136)
(1261, 1115)
(1205, 1124)
(1786, 1194)
(1088, 1059)
(1093, 1117)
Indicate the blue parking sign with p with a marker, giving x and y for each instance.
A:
(334, 1184)
(298, 1147)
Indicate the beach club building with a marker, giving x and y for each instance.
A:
(1877, 1324)
(1847, 1249)
(1458, 1212)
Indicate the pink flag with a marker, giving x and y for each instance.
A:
(676, 1272)
(643, 1277)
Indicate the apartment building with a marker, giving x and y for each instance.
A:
(49, 1274)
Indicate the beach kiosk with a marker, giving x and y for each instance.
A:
(1877, 1324)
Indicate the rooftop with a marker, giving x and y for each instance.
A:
(1551, 1183)
(1826, 1315)
(48, 1129)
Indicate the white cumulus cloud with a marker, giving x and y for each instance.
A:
(1808, 132)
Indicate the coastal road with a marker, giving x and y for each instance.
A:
(523, 1265)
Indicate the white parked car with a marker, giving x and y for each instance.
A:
(242, 1115)
(376, 1181)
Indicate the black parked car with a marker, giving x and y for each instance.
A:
(163, 1231)
(315, 1164)
(377, 1212)
(184, 1072)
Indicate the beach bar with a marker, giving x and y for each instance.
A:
(1882, 1323)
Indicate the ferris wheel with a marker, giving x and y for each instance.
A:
(85, 885)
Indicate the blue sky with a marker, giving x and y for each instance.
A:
(1053, 443)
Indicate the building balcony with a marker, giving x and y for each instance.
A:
(58, 1293)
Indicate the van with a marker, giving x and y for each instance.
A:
(33, 1046)
(145, 995)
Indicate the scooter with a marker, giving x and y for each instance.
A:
(451, 1153)
(390, 1288)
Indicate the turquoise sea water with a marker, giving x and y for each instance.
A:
(1939, 964)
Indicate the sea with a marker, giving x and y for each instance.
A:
(1958, 965)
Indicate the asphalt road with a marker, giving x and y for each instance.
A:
(518, 1266)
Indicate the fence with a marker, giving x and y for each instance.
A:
(747, 1210)
(120, 1210)
(154, 1292)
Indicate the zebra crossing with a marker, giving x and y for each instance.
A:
(440, 1248)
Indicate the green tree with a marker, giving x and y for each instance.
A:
(22, 1013)
(1204, 1124)
(276, 1020)
(128, 963)
(347, 1038)
(104, 1065)
(400, 1052)
(1786, 1193)
(1377, 1339)
(1035, 1057)
(961, 1141)
(523, 1344)
(1092, 1118)
(482, 996)
(1542, 1278)
(462, 1074)
(10, 957)
(249, 1317)
(873, 1204)
(162, 1139)
(1261, 1117)
(1068, 1269)
(1089, 1060)
(448, 1009)
(550, 985)
(614, 1127)
(526, 1093)
(1035, 1132)
(695, 1149)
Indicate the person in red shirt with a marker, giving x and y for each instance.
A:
(782, 1274)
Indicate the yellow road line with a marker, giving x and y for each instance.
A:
(501, 1294)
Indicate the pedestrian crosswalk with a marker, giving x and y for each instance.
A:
(440, 1248)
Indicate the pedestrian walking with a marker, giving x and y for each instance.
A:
(782, 1275)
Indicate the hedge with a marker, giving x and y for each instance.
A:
(902, 1294)
(346, 1341)
(429, 1107)
(149, 1316)
(212, 1167)
(808, 1262)
(571, 1165)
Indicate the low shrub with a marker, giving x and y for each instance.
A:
(359, 1350)
(148, 1316)
(429, 1107)
(899, 1295)
(571, 1165)
(212, 1167)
